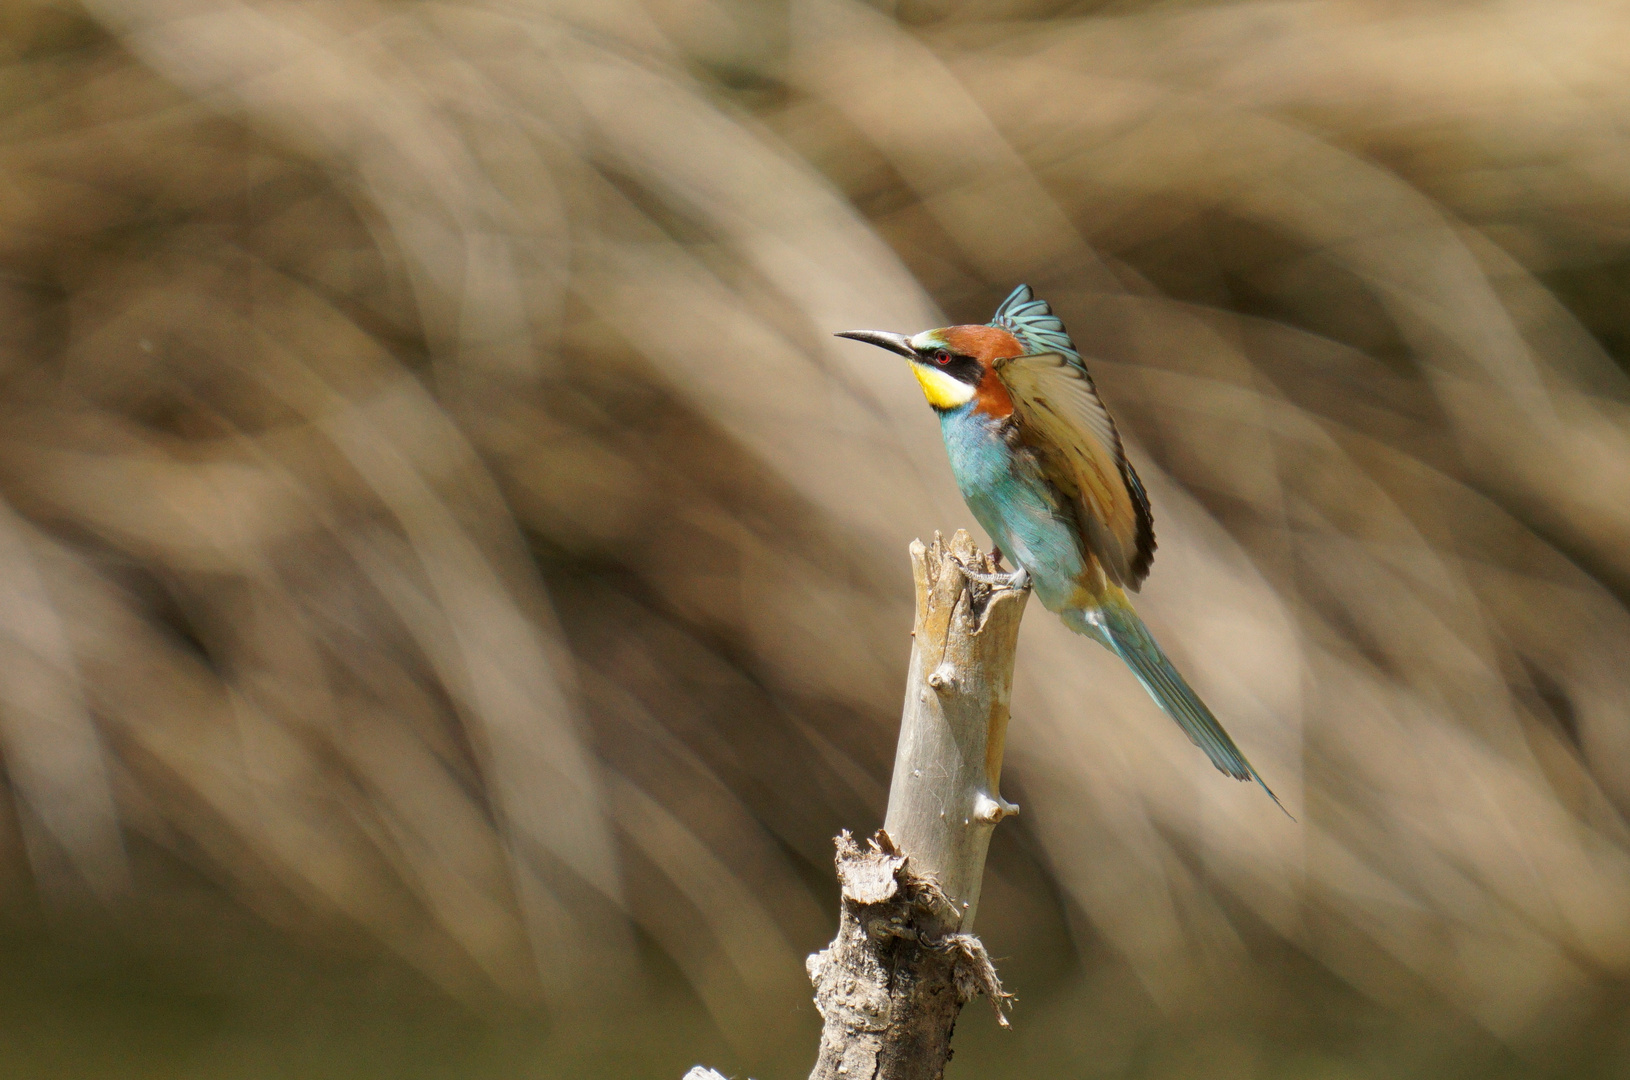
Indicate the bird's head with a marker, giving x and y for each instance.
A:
(954, 364)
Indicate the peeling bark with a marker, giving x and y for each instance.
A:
(893, 981)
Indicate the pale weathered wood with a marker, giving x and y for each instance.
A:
(891, 984)
(904, 961)
(945, 798)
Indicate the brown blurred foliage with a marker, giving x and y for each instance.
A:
(451, 580)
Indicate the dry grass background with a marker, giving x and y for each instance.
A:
(452, 585)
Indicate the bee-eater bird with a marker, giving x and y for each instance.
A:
(1040, 464)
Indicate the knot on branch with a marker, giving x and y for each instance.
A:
(874, 876)
(885, 900)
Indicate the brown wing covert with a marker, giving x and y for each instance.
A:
(1058, 405)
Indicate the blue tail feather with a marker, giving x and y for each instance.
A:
(1117, 627)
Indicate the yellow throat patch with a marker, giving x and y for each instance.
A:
(941, 390)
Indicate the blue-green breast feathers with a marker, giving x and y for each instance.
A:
(1127, 548)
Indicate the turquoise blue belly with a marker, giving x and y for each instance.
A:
(1015, 504)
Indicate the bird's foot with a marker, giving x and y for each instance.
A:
(1018, 579)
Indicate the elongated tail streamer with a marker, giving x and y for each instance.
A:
(1117, 626)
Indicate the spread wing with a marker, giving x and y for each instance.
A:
(1061, 415)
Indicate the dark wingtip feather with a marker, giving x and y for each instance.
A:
(1143, 556)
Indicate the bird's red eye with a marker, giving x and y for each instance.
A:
(942, 358)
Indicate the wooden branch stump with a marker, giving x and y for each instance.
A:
(904, 962)
(944, 800)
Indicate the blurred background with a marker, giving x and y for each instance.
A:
(453, 586)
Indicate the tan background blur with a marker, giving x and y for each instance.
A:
(453, 585)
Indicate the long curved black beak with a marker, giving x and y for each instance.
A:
(883, 340)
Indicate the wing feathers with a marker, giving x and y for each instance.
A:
(1060, 412)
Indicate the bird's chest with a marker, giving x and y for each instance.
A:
(983, 457)
(1005, 487)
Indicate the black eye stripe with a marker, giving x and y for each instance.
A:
(961, 368)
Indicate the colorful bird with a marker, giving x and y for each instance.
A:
(1040, 464)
